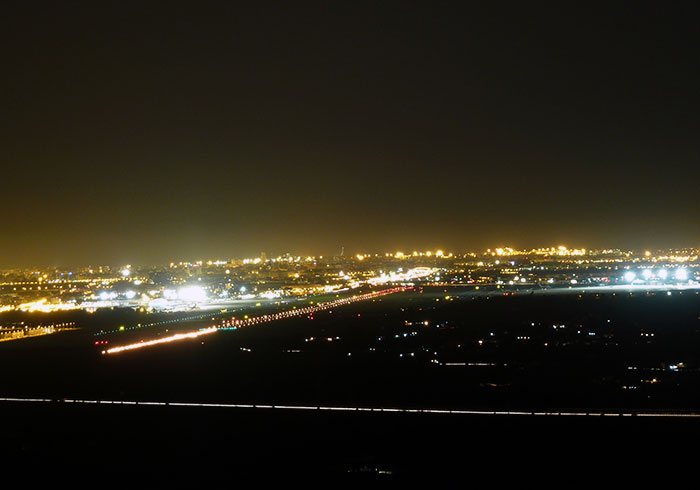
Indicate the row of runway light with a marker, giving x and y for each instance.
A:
(234, 324)
(680, 274)
(309, 310)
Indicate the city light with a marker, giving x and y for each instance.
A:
(212, 284)
(681, 274)
(192, 293)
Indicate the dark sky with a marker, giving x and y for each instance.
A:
(146, 132)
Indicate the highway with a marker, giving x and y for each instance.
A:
(519, 413)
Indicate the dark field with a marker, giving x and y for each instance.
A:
(478, 350)
(191, 447)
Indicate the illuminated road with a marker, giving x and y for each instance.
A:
(234, 324)
(553, 413)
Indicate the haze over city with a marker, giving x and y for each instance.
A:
(137, 133)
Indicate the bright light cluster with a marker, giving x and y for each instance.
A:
(43, 306)
(561, 251)
(409, 275)
(13, 333)
(194, 294)
(680, 274)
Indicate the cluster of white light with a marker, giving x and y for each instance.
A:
(171, 297)
(106, 296)
(44, 306)
(680, 274)
(194, 294)
(409, 275)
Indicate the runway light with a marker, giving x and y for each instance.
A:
(682, 274)
(629, 276)
(646, 273)
(663, 274)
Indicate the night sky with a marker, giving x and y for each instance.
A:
(137, 132)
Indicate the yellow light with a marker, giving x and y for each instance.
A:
(179, 336)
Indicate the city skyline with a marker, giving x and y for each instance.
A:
(350, 254)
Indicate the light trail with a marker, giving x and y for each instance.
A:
(236, 324)
(316, 408)
(172, 338)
